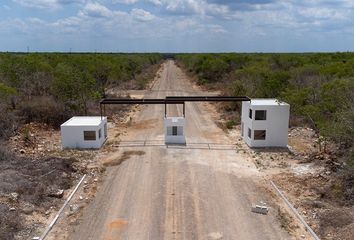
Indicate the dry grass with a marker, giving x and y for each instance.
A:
(285, 220)
(33, 180)
(8, 123)
(336, 221)
(10, 222)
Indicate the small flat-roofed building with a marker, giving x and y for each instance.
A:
(84, 132)
(174, 130)
(265, 123)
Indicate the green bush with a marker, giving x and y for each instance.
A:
(230, 124)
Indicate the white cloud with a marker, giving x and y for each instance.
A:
(46, 4)
(324, 13)
(193, 26)
(186, 24)
(41, 4)
(185, 6)
(141, 15)
(195, 7)
(215, 28)
(63, 2)
(68, 22)
(96, 10)
(125, 1)
(155, 2)
(97, 19)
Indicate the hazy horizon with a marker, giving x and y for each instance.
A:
(93, 52)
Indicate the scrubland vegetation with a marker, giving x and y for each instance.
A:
(319, 87)
(50, 88)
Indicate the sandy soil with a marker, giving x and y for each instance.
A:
(203, 190)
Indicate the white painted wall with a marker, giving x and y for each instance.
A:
(246, 121)
(276, 125)
(72, 136)
(179, 122)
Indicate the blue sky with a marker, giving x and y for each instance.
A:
(177, 25)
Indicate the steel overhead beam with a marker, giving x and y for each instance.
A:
(122, 101)
(172, 100)
(207, 98)
(138, 101)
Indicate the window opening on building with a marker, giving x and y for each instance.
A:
(261, 115)
(89, 135)
(259, 134)
(174, 131)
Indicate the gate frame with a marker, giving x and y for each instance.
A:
(170, 100)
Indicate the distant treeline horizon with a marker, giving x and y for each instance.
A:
(167, 53)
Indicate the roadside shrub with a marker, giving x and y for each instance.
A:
(4, 154)
(45, 110)
(230, 124)
(348, 177)
(8, 123)
(10, 222)
(202, 81)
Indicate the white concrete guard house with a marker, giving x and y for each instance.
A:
(265, 123)
(84, 132)
(174, 130)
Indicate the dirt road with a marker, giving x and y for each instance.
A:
(203, 190)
